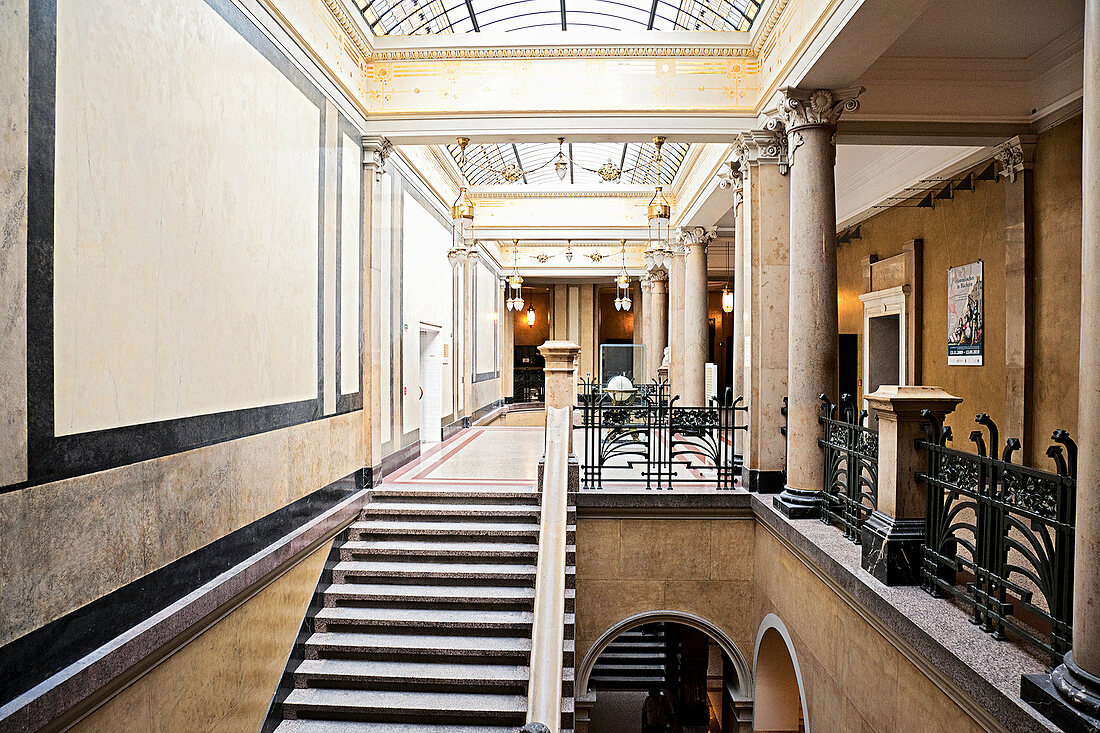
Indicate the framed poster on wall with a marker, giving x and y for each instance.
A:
(965, 315)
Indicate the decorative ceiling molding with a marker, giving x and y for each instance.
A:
(768, 25)
(560, 194)
(341, 15)
(565, 52)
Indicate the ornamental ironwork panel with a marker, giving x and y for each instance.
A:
(642, 437)
(999, 535)
(849, 491)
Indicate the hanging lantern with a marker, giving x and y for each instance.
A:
(530, 315)
(568, 250)
(727, 300)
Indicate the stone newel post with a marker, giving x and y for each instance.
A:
(561, 377)
(893, 534)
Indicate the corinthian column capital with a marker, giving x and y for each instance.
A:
(817, 107)
(690, 236)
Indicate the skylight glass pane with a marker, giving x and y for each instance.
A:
(416, 17)
(485, 164)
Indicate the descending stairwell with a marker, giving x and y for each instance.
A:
(635, 660)
(426, 625)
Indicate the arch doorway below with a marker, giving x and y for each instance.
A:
(665, 674)
(778, 700)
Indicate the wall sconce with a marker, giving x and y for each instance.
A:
(530, 315)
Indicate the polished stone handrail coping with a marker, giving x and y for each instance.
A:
(932, 633)
(544, 694)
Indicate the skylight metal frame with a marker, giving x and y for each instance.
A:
(420, 17)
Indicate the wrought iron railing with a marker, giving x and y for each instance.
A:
(999, 536)
(645, 438)
(849, 491)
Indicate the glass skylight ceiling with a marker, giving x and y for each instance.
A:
(485, 163)
(420, 17)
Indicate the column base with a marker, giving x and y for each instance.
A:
(798, 504)
(764, 482)
(1069, 696)
(891, 548)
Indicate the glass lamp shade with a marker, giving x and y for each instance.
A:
(518, 303)
(531, 315)
(568, 255)
(463, 207)
(727, 300)
(561, 168)
(508, 303)
(626, 302)
(618, 304)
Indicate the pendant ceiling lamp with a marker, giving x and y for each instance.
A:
(727, 292)
(659, 213)
(462, 212)
(622, 284)
(515, 283)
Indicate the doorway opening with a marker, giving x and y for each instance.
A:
(778, 704)
(883, 351)
(431, 384)
(665, 673)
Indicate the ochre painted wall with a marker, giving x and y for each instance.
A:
(539, 333)
(732, 573)
(614, 324)
(972, 227)
(1057, 285)
(223, 680)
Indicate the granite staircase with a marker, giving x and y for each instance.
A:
(426, 624)
(635, 660)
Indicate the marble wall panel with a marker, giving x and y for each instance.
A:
(185, 273)
(224, 679)
(13, 241)
(350, 269)
(69, 542)
(329, 261)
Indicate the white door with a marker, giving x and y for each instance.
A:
(431, 385)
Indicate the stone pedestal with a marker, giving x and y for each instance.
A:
(893, 534)
(1070, 696)
(561, 377)
(810, 119)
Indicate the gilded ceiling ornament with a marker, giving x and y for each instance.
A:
(609, 171)
(511, 172)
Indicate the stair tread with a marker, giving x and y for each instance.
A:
(434, 507)
(342, 726)
(414, 547)
(406, 700)
(419, 671)
(406, 567)
(399, 642)
(432, 592)
(422, 615)
(501, 529)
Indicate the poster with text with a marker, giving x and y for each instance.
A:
(965, 315)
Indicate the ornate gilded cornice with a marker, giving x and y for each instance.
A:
(536, 193)
(564, 52)
(768, 25)
(348, 25)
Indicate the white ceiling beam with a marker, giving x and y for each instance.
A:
(579, 235)
(602, 127)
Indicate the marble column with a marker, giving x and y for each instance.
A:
(810, 120)
(375, 151)
(1070, 696)
(676, 318)
(693, 365)
(737, 352)
(658, 322)
(507, 348)
(1016, 157)
(764, 264)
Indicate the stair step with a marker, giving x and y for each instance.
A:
(497, 512)
(353, 726)
(486, 530)
(401, 572)
(419, 618)
(409, 646)
(406, 675)
(472, 551)
(453, 497)
(397, 705)
(502, 597)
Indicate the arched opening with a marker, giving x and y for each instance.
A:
(778, 693)
(669, 667)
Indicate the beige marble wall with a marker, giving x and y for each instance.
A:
(223, 680)
(185, 276)
(13, 242)
(855, 679)
(69, 542)
(698, 566)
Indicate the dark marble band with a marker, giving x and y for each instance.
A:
(65, 661)
(764, 482)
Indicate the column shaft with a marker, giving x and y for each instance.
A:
(676, 322)
(693, 365)
(812, 336)
(658, 309)
(738, 350)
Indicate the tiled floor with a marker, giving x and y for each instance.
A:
(505, 457)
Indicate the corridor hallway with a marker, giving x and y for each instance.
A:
(423, 621)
